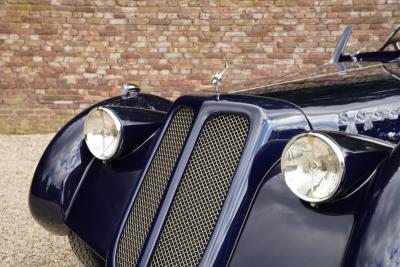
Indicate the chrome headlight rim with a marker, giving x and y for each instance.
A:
(118, 124)
(339, 155)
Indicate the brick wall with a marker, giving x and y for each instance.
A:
(57, 57)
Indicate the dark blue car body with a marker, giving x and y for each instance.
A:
(261, 222)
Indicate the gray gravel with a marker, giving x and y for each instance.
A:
(22, 241)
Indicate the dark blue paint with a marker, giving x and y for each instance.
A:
(275, 121)
(270, 226)
(103, 196)
(57, 175)
(376, 237)
(367, 89)
(137, 126)
(65, 159)
(379, 56)
(358, 152)
(284, 231)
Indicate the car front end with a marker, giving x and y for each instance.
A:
(296, 172)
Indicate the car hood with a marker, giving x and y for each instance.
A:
(315, 77)
(358, 99)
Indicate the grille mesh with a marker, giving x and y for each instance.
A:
(202, 191)
(154, 184)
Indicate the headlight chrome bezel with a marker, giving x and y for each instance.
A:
(119, 129)
(339, 156)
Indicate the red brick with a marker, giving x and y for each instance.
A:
(80, 52)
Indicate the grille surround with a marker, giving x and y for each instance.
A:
(175, 246)
(143, 211)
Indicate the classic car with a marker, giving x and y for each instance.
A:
(300, 171)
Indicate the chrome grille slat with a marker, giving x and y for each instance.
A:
(152, 189)
(202, 191)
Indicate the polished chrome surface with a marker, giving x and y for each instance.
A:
(217, 80)
(103, 131)
(130, 90)
(202, 191)
(324, 165)
(152, 189)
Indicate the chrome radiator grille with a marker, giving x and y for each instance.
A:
(152, 189)
(202, 191)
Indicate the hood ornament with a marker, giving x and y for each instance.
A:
(217, 80)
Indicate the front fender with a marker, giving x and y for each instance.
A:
(283, 230)
(65, 160)
(376, 238)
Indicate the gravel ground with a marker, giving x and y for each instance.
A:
(22, 241)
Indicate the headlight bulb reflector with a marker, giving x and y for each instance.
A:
(313, 166)
(102, 133)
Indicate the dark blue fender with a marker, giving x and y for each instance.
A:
(63, 164)
(282, 230)
(103, 195)
(376, 237)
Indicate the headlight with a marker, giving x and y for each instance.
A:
(313, 166)
(102, 133)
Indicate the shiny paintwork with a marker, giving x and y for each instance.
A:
(315, 236)
(274, 122)
(66, 158)
(103, 195)
(282, 230)
(141, 123)
(332, 98)
(328, 224)
(379, 56)
(376, 236)
(355, 150)
(269, 225)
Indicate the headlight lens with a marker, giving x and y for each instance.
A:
(313, 166)
(102, 133)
